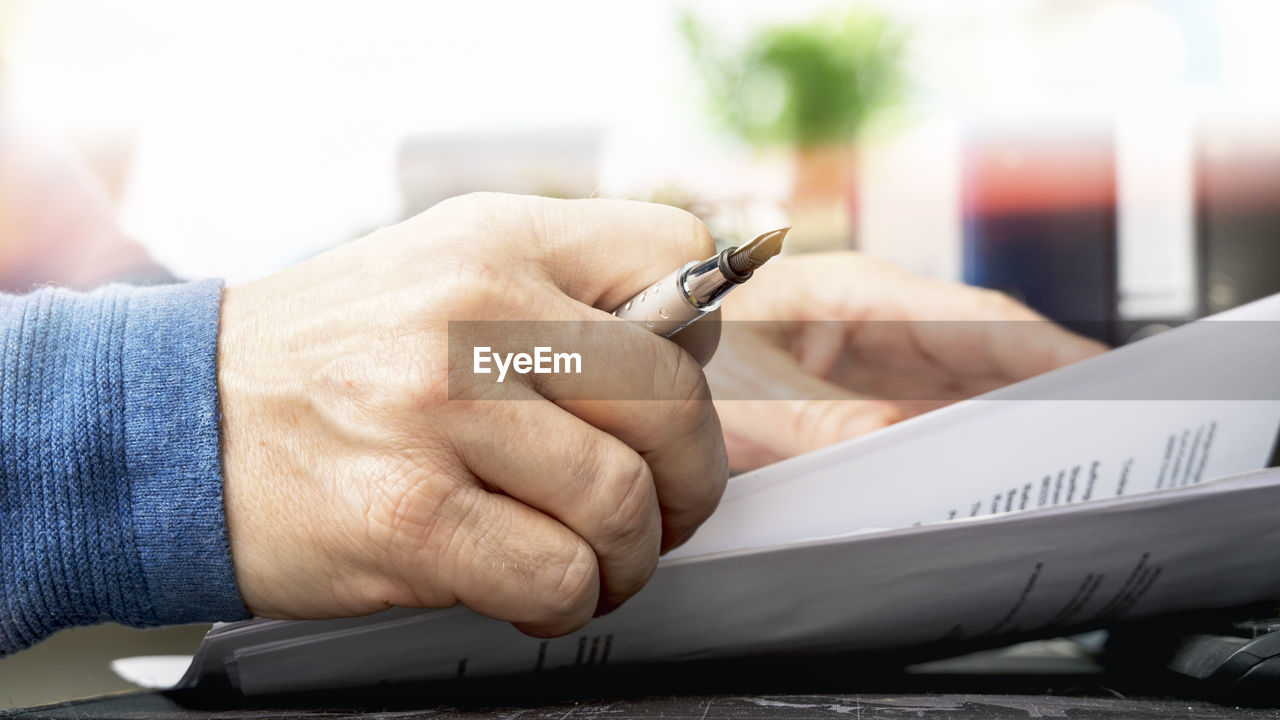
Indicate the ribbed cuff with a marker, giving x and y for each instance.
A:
(172, 456)
(110, 475)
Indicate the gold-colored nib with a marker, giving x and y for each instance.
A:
(757, 252)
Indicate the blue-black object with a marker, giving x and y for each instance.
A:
(1060, 263)
(1040, 226)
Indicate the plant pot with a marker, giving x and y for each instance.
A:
(822, 199)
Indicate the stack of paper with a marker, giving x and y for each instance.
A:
(1127, 485)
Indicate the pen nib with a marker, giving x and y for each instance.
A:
(757, 252)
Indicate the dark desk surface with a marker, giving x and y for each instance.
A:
(142, 706)
(779, 688)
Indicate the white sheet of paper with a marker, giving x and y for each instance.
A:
(1065, 529)
(1196, 547)
(1020, 448)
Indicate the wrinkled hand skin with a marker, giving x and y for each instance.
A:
(353, 483)
(870, 345)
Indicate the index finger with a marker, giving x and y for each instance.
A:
(997, 335)
(968, 331)
(600, 252)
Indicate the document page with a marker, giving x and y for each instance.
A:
(1197, 547)
(1195, 403)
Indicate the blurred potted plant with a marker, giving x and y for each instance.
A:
(809, 88)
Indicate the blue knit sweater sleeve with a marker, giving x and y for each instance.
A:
(110, 474)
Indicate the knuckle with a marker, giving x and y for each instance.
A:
(449, 208)
(576, 583)
(462, 219)
(706, 497)
(618, 590)
(429, 380)
(472, 284)
(464, 203)
(627, 492)
(446, 522)
(409, 513)
(694, 237)
(700, 502)
(544, 218)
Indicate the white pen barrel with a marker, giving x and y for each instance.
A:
(661, 308)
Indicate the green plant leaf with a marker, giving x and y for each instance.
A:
(801, 85)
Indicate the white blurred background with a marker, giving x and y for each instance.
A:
(248, 135)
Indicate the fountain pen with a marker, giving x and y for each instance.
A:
(698, 288)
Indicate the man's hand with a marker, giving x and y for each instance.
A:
(846, 345)
(354, 483)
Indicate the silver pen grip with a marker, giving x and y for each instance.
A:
(661, 308)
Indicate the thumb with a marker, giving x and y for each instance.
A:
(701, 338)
(769, 403)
